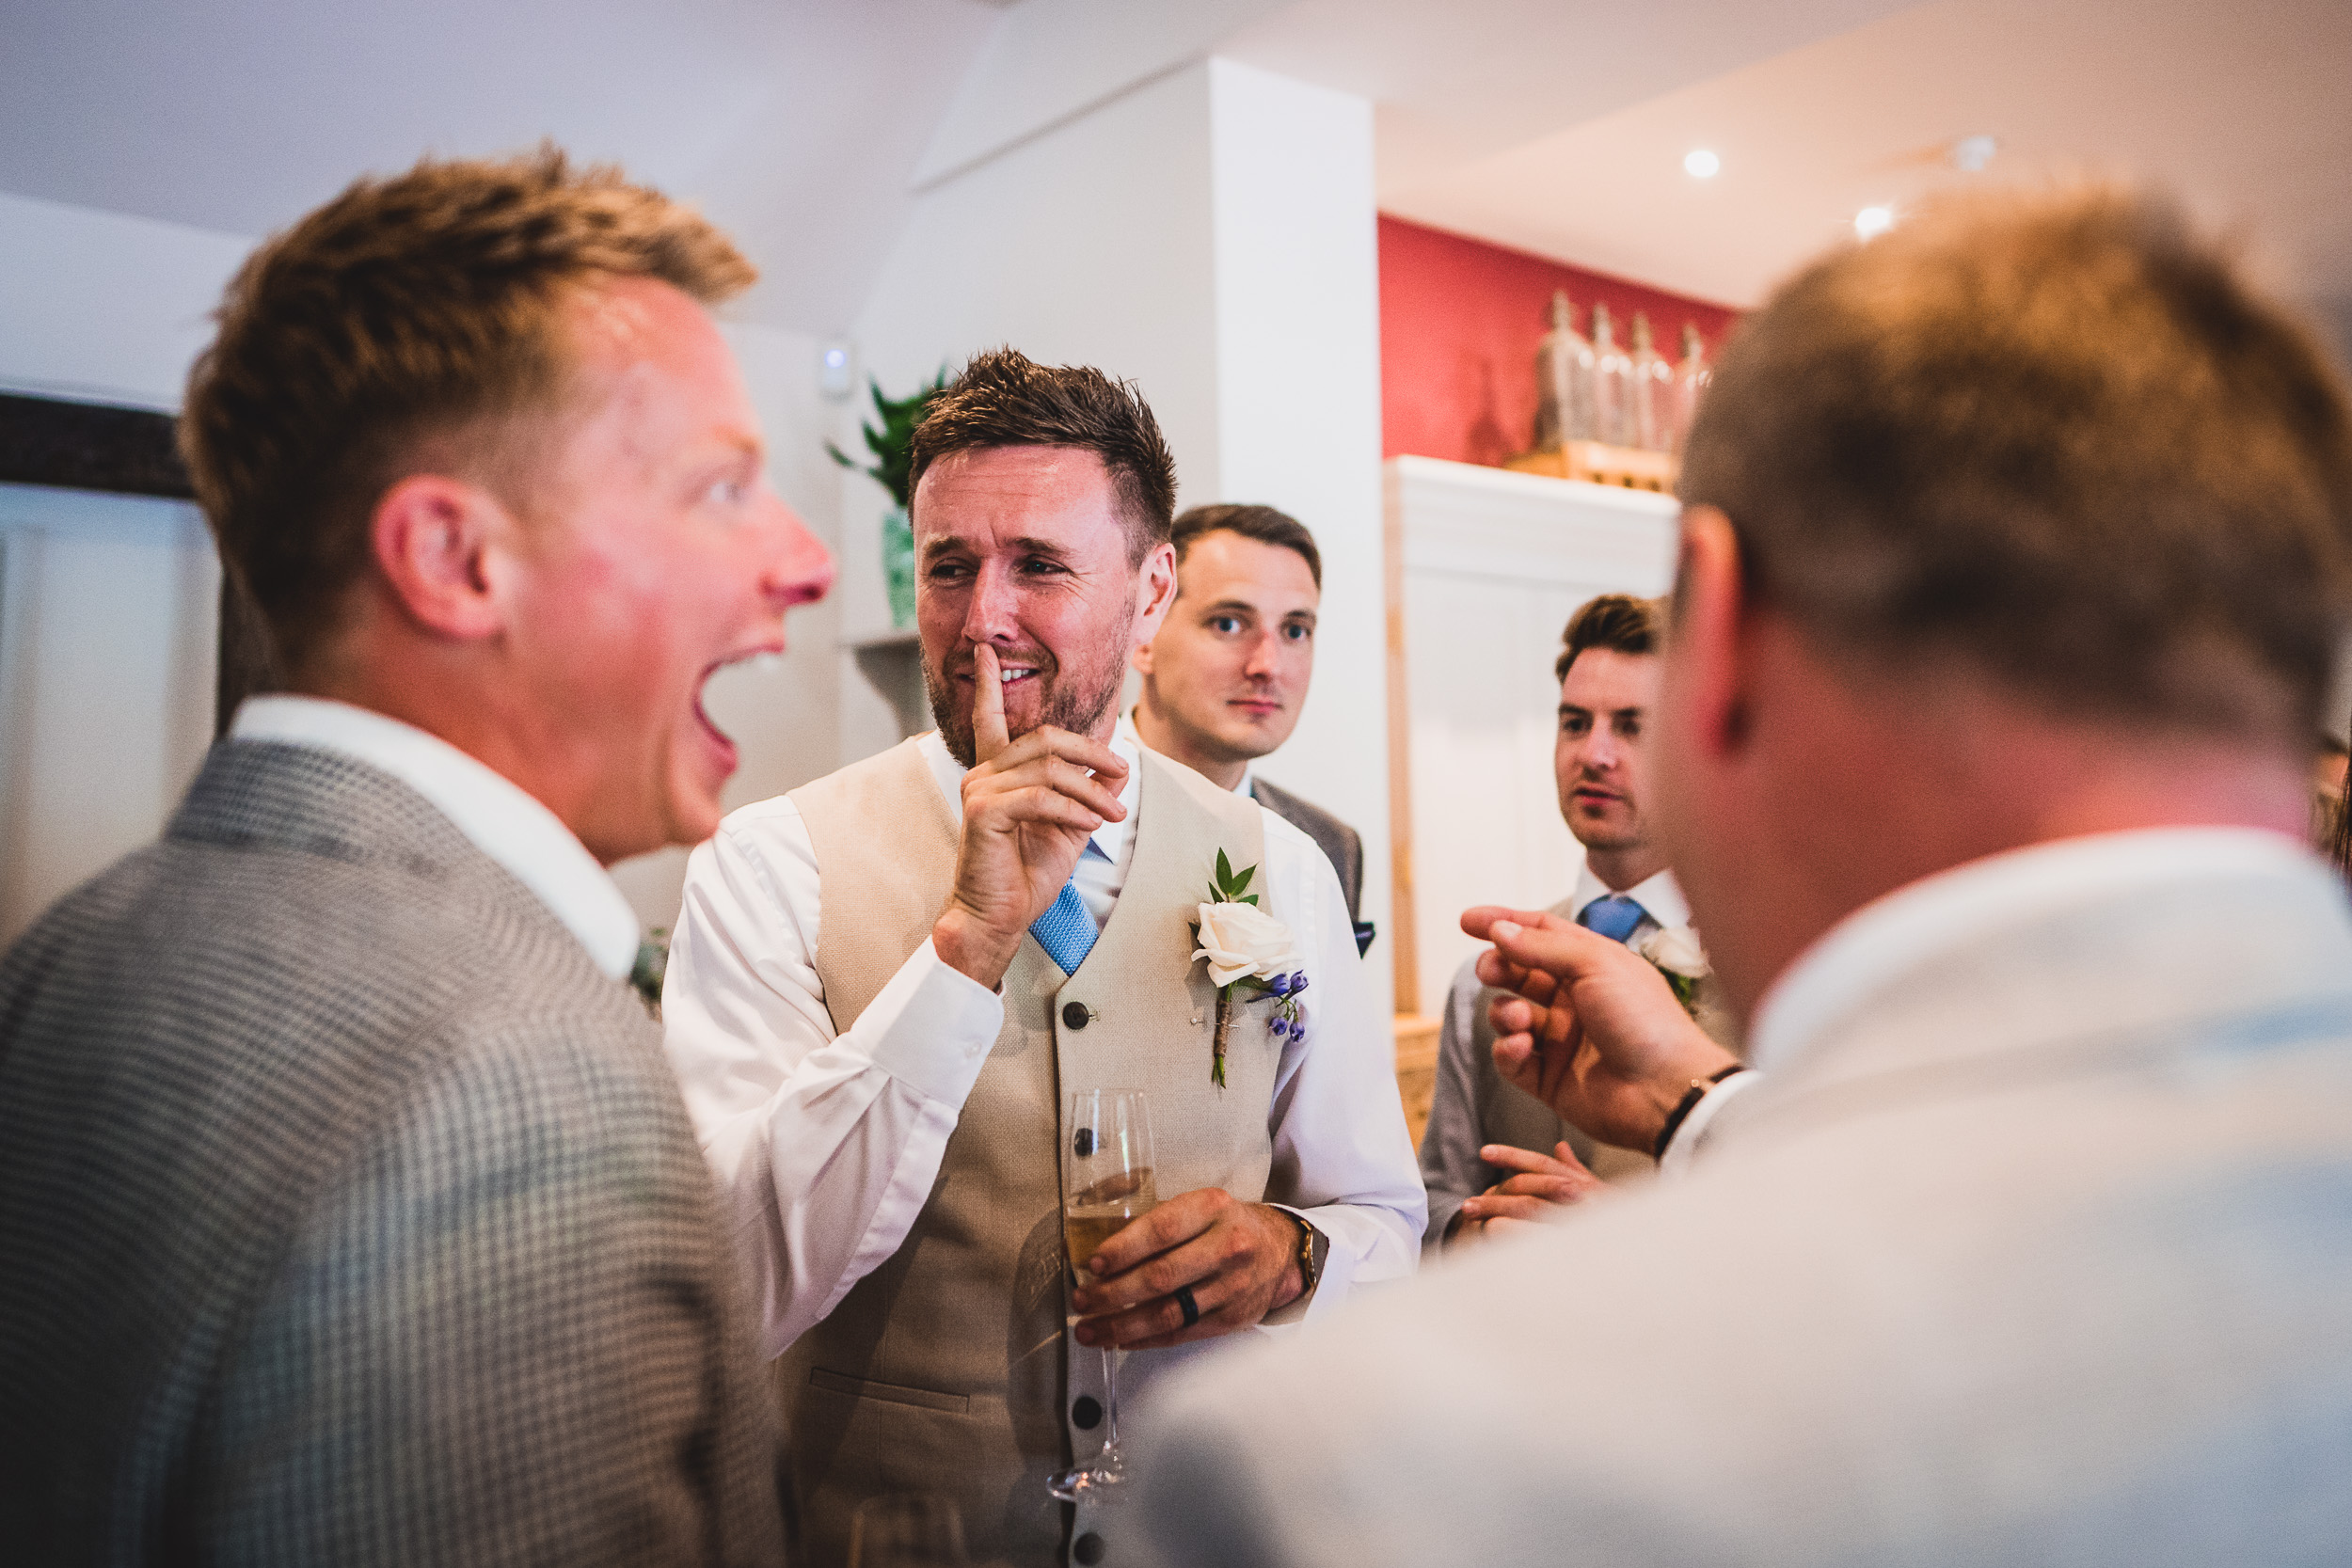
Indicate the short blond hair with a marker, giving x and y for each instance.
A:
(2054, 438)
(419, 307)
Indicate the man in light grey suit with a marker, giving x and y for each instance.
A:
(1494, 1157)
(1226, 677)
(2016, 546)
(348, 1212)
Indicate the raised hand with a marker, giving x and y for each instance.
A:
(1592, 1029)
(1029, 806)
(1542, 1183)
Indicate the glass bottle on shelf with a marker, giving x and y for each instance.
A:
(1564, 381)
(1612, 384)
(1653, 391)
(1691, 380)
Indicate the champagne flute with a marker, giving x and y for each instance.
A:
(907, 1530)
(1106, 1183)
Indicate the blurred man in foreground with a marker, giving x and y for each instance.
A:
(347, 1210)
(2016, 547)
(1225, 678)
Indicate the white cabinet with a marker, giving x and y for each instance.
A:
(1485, 568)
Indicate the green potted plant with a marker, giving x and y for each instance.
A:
(892, 446)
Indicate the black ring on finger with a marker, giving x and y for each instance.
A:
(1191, 1307)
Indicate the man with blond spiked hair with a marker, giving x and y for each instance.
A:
(348, 1213)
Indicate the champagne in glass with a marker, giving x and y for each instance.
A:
(1107, 1182)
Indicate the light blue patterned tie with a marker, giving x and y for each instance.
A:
(1613, 917)
(1065, 930)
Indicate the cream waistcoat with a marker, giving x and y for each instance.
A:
(948, 1369)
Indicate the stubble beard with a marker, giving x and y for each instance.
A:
(1076, 696)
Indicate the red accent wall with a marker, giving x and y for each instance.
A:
(1460, 321)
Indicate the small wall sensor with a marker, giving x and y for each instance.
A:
(837, 369)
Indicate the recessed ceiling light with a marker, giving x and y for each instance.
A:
(1699, 164)
(1870, 223)
(1970, 153)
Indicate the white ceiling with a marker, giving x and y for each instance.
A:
(1555, 125)
(793, 122)
(2241, 109)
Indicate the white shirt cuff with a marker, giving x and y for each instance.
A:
(932, 1027)
(1687, 1138)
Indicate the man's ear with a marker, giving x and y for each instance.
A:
(433, 538)
(1158, 595)
(1708, 630)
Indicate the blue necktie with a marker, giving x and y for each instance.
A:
(1065, 930)
(1613, 917)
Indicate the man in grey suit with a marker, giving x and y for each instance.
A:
(348, 1211)
(1494, 1157)
(2015, 549)
(1226, 678)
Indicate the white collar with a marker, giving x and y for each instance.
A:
(1897, 931)
(1660, 896)
(1110, 840)
(501, 818)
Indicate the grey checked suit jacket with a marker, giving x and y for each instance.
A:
(1341, 844)
(348, 1215)
(2041, 1253)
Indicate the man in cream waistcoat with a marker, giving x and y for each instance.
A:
(885, 985)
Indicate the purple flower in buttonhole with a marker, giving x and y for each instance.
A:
(1282, 985)
(1298, 982)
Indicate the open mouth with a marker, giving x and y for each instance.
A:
(719, 738)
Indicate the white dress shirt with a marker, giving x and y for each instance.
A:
(825, 1148)
(1908, 926)
(501, 818)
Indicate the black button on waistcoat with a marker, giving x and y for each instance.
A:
(1087, 1411)
(1075, 1015)
(1087, 1549)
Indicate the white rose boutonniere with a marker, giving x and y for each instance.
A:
(1676, 953)
(1250, 956)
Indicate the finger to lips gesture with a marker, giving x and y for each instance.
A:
(1593, 1031)
(1240, 1261)
(1028, 808)
(1541, 1186)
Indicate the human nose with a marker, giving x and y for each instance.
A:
(990, 611)
(1262, 664)
(1602, 750)
(799, 569)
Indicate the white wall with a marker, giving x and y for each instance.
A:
(1209, 233)
(105, 308)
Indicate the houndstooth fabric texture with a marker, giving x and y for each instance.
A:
(349, 1216)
